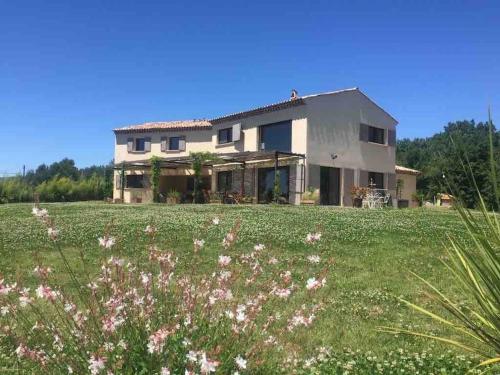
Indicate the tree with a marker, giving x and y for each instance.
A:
(155, 177)
(442, 155)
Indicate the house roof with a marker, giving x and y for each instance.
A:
(404, 170)
(206, 124)
(165, 125)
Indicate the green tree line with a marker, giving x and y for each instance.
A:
(59, 182)
(447, 158)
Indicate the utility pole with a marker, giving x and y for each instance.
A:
(24, 171)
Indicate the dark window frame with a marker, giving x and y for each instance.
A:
(227, 138)
(262, 131)
(170, 148)
(376, 135)
(374, 177)
(137, 180)
(140, 141)
(228, 181)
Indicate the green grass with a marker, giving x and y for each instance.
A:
(373, 251)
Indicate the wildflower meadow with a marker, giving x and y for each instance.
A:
(91, 288)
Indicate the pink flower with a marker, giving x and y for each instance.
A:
(96, 364)
(46, 292)
(157, 340)
(4, 288)
(224, 260)
(312, 238)
(206, 365)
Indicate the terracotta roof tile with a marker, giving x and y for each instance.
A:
(166, 125)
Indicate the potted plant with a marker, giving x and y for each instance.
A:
(310, 196)
(173, 197)
(358, 193)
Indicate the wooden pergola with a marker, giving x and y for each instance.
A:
(241, 159)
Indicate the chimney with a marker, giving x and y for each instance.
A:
(294, 95)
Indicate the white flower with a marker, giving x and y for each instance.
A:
(312, 283)
(4, 310)
(241, 362)
(192, 356)
(53, 233)
(150, 229)
(215, 221)
(107, 242)
(224, 260)
(165, 371)
(198, 244)
(41, 213)
(259, 247)
(70, 370)
(313, 258)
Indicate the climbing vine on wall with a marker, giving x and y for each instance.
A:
(155, 177)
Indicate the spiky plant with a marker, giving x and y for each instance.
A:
(475, 266)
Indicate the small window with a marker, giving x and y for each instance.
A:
(140, 144)
(224, 181)
(376, 180)
(134, 181)
(376, 135)
(173, 143)
(225, 135)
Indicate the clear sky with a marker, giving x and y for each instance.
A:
(71, 71)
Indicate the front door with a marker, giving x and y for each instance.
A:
(329, 189)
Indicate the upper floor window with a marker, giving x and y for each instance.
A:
(225, 135)
(376, 180)
(376, 135)
(173, 143)
(276, 137)
(140, 144)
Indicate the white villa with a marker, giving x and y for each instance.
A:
(327, 142)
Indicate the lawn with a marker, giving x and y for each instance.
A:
(372, 254)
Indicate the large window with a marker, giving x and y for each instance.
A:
(173, 143)
(224, 181)
(134, 181)
(266, 186)
(140, 144)
(376, 180)
(376, 135)
(276, 137)
(225, 135)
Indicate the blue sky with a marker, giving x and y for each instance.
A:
(72, 71)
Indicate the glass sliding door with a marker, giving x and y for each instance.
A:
(329, 189)
(266, 184)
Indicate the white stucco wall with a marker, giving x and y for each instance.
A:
(196, 140)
